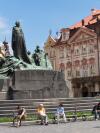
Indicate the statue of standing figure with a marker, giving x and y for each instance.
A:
(18, 43)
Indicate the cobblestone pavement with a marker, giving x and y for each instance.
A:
(73, 127)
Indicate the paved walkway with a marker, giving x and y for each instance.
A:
(73, 127)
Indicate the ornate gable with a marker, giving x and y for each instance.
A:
(50, 42)
(82, 34)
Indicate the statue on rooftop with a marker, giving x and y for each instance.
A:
(18, 43)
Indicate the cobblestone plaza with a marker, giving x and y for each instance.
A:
(72, 127)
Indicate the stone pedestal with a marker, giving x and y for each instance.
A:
(39, 84)
(4, 84)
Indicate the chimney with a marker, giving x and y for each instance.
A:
(83, 22)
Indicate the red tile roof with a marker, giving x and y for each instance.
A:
(91, 19)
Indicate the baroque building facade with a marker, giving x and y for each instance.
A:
(77, 54)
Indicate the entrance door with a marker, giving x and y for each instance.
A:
(84, 92)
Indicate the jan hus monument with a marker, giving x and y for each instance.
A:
(29, 75)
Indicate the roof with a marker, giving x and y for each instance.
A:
(87, 23)
(91, 19)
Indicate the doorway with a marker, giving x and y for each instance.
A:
(85, 91)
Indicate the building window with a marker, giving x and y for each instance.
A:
(77, 63)
(92, 69)
(64, 36)
(69, 73)
(62, 67)
(77, 73)
(85, 71)
(84, 50)
(61, 53)
(91, 49)
(92, 66)
(84, 62)
(68, 53)
(77, 52)
(68, 65)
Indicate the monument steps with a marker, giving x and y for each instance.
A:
(13, 106)
(8, 107)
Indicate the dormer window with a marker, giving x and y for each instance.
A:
(65, 34)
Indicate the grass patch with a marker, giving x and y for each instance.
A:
(5, 119)
(78, 114)
(50, 116)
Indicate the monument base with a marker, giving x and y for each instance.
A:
(38, 84)
(4, 85)
(3, 95)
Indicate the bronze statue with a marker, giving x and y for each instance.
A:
(18, 43)
(36, 56)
